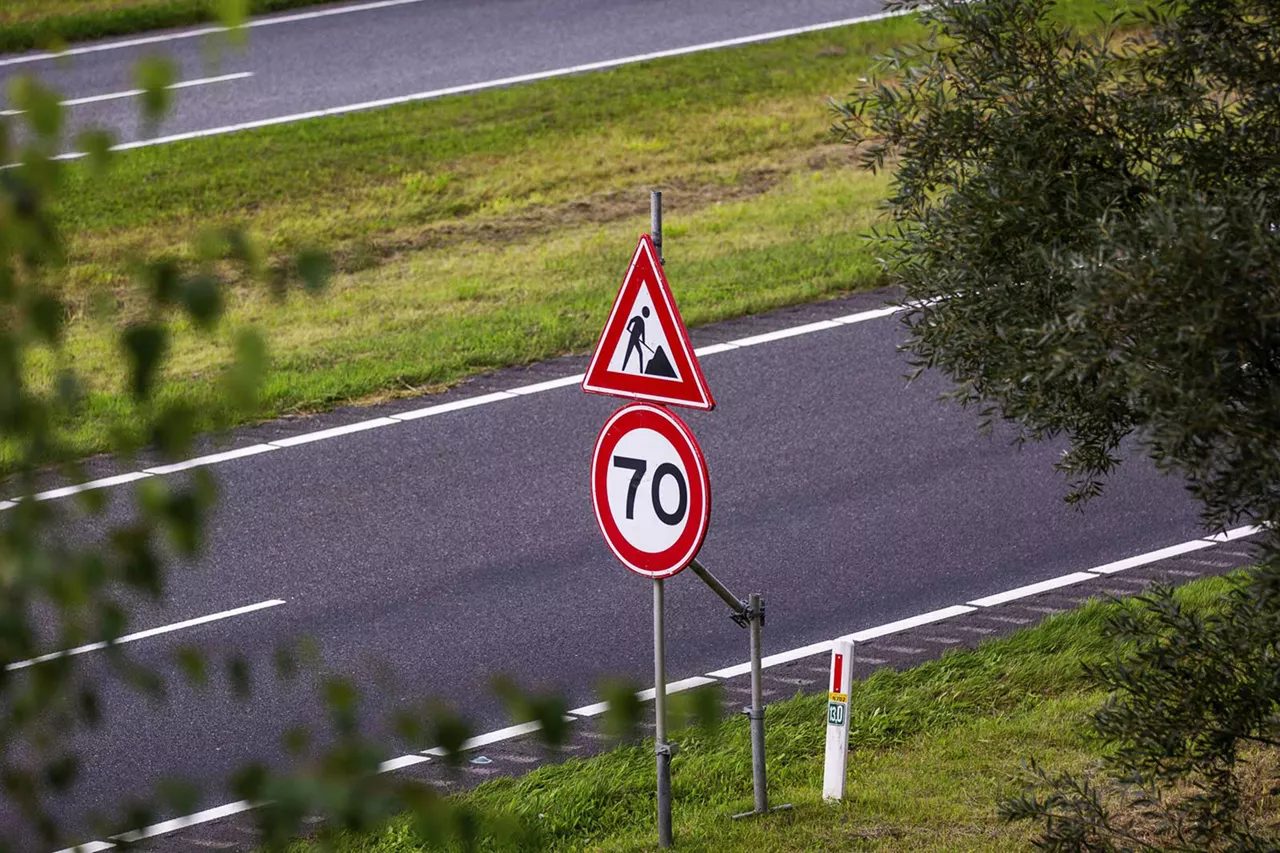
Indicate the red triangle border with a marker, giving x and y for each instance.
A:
(692, 389)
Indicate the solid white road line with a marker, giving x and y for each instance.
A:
(150, 632)
(1239, 532)
(502, 82)
(598, 708)
(910, 622)
(1033, 589)
(469, 403)
(213, 459)
(134, 93)
(783, 334)
(333, 432)
(439, 409)
(1171, 551)
(67, 491)
(203, 31)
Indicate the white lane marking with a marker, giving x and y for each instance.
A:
(1034, 589)
(150, 632)
(213, 459)
(910, 622)
(333, 432)
(439, 409)
(1153, 556)
(863, 316)
(134, 93)
(466, 88)
(490, 737)
(782, 334)
(401, 762)
(1232, 535)
(456, 405)
(598, 708)
(712, 349)
(203, 31)
(67, 491)
(549, 385)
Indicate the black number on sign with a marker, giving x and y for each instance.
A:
(638, 466)
(666, 469)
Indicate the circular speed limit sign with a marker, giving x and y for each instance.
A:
(650, 489)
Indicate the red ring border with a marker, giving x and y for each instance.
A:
(663, 421)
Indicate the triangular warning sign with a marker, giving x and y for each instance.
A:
(644, 352)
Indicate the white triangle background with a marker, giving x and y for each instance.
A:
(654, 337)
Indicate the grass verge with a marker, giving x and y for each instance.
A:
(932, 750)
(27, 24)
(488, 230)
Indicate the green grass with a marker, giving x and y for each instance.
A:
(488, 230)
(932, 750)
(26, 24)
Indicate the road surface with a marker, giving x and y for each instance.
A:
(313, 60)
(426, 555)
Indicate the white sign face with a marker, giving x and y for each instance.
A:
(650, 490)
(643, 348)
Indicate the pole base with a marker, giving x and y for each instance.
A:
(785, 807)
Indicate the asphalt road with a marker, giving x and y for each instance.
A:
(427, 556)
(334, 61)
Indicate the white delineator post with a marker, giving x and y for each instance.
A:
(833, 772)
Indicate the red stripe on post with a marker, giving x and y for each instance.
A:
(837, 673)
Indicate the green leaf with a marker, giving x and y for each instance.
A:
(145, 346)
(245, 377)
(202, 297)
(449, 732)
(45, 312)
(315, 268)
(191, 662)
(96, 145)
(623, 711)
(155, 76)
(41, 107)
(239, 674)
(233, 13)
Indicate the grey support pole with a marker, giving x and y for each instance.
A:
(655, 222)
(756, 712)
(661, 748)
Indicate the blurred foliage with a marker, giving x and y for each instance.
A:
(61, 592)
(1086, 228)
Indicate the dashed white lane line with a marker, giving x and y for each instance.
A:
(150, 632)
(438, 409)
(521, 729)
(134, 93)
(467, 88)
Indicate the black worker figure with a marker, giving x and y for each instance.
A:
(635, 328)
(659, 364)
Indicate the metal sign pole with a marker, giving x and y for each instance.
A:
(661, 748)
(756, 714)
(655, 222)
